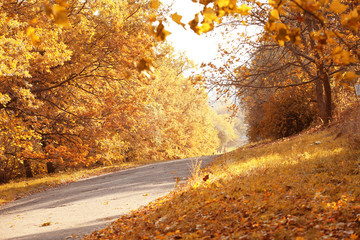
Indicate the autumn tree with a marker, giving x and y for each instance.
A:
(75, 93)
(67, 83)
(302, 51)
(320, 37)
(274, 87)
(176, 111)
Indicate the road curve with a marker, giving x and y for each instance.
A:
(79, 208)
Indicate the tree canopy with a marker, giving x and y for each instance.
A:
(74, 92)
(316, 42)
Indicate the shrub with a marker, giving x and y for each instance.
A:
(285, 113)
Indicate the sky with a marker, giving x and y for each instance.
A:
(198, 48)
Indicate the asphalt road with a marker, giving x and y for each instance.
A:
(79, 208)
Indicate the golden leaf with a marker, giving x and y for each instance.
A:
(275, 14)
(350, 76)
(60, 15)
(223, 3)
(206, 27)
(282, 33)
(337, 50)
(48, 10)
(46, 224)
(337, 7)
(274, 3)
(143, 65)
(62, 3)
(152, 18)
(323, 2)
(196, 185)
(342, 56)
(33, 21)
(177, 18)
(193, 24)
(159, 32)
(210, 16)
(352, 20)
(30, 31)
(244, 9)
(155, 4)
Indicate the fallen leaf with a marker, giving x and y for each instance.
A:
(46, 224)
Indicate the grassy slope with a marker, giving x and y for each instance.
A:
(305, 187)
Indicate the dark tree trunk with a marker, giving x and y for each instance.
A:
(323, 97)
(323, 89)
(328, 100)
(50, 167)
(28, 171)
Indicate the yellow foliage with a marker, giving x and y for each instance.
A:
(70, 94)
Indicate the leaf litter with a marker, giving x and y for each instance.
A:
(287, 189)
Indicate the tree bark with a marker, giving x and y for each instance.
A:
(328, 99)
(323, 89)
(323, 96)
(28, 170)
(50, 167)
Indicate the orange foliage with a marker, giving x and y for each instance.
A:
(74, 89)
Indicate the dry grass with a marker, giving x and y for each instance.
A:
(305, 187)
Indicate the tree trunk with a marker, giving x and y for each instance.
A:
(328, 100)
(50, 167)
(323, 98)
(28, 171)
(323, 89)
